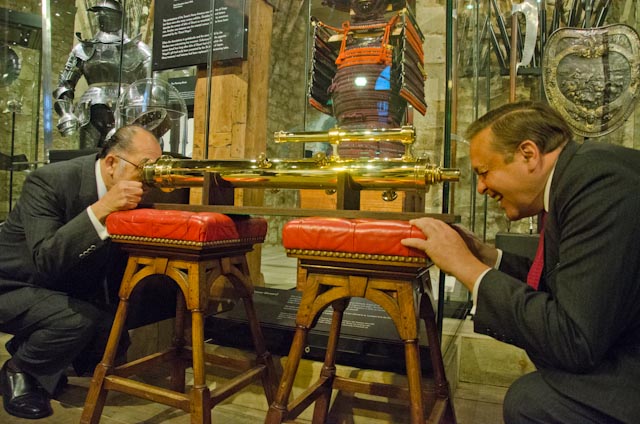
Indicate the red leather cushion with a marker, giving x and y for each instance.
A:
(250, 227)
(378, 237)
(184, 225)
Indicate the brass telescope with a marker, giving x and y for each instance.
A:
(168, 173)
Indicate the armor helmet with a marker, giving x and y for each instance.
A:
(109, 15)
(113, 5)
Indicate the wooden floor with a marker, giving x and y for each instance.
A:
(474, 403)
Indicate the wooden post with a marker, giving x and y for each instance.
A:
(237, 110)
(238, 103)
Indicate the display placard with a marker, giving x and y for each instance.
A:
(186, 86)
(184, 36)
(368, 336)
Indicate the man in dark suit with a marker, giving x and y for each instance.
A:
(54, 257)
(581, 325)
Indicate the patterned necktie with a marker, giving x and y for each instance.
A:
(535, 272)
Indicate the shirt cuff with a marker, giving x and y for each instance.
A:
(476, 286)
(100, 228)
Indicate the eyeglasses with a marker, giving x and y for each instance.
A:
(139, 167)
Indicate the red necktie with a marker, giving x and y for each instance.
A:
(535, 272)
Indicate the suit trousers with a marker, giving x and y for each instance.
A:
(57, 331)
(531, 400)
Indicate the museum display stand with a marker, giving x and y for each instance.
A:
(196, 251)
(341, 259)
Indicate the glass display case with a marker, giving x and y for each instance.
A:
(20, 103)
(476, 34)
(487, 74)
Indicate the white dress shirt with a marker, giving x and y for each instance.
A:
(102, 190)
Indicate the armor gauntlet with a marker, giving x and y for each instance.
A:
(68, 122)
(63, 96)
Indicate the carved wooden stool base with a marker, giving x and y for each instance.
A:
(195, 250)
(339, 259)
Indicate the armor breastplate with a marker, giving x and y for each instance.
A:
(104, 64)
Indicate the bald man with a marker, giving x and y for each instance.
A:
(55, 255)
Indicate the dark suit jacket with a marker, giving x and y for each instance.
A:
(582, 328)
(48, 240)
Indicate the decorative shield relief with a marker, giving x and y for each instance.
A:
(591, 76)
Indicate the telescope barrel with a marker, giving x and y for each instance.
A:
(367, 174)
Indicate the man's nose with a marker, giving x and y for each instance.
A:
(481, 186)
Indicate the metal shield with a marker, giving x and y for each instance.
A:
(591, 76)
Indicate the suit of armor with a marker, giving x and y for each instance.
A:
(109, 62)
(366, 72)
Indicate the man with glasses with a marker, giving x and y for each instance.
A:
(54, 258)
(576, 308)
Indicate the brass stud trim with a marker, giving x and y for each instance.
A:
(190, 243)
(354, 255)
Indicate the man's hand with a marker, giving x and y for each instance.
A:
(448, 250)
(124, 195)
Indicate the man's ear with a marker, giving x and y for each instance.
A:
(109, 163)
(529, 150)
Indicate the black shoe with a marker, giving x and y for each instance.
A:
(22, 396)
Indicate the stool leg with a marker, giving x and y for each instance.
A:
(328, 372)
(97, 394)
(406, 320)
(178, 366)
(269, 377)
(305, 319)
(414, 379)
(200, 395)
(239, 276)
(277, 412)
(442, 386)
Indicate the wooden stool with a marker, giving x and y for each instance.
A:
(339, 259)
(194, 250)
